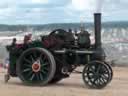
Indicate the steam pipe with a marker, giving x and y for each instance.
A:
(97, 24)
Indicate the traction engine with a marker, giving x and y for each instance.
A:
(56, 55)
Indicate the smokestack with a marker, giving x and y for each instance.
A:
(97, 24)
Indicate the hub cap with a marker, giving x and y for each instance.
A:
(36, 66)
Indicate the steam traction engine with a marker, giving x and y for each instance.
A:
(56, 55)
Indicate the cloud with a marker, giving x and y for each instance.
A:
(115, 10)
(56, 11)
(81, 5)
(40, 1)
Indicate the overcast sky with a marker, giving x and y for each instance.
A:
(59, 11)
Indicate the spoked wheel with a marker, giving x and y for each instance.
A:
(36, 66)
(110, 71)
(96, 74)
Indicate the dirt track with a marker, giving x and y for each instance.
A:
(72, 86)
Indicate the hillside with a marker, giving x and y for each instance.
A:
(38, 27)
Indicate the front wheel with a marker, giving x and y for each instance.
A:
(96, 74)
(36, 66)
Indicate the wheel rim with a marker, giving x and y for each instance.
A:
(96, 75)
(35, 67)
(110, 70)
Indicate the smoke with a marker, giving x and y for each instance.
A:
(99, 5)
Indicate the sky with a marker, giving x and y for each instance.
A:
(61, 11)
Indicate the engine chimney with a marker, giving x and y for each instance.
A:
(97, 24)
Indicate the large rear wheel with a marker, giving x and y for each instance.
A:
(36, 66)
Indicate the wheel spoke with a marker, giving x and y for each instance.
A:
(32, 77)
(26, 70)
(29, 73)
(99, 67)
(101, 81)
(32, 58)
(34, 55)
(106, 72)
(96, 82)
(44, 72)
(27, 65)
(37, 75)
(44, 58)
(91, 71)
(95, 79)
(92, 68)
(104, 80)
(41, 61)
(44, 64)
(40, 56)
(41, 77)
(46, 69)
(27, 60)
(91, 76)
(105, 77)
